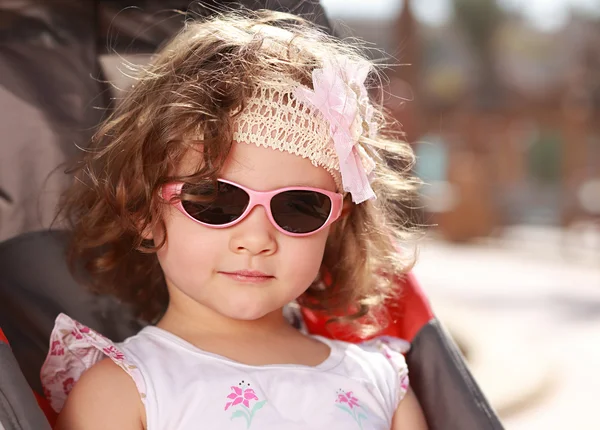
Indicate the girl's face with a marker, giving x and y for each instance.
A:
(199, 262)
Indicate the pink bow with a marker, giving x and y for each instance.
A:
(341, 97)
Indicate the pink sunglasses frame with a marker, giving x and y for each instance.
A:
(258, 198)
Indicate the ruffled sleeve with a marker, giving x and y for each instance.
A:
(393, 349)
(74, 348)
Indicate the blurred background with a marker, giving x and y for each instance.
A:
(501, 102)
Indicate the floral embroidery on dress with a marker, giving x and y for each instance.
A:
(392, 349)
(74, 348)
(242, 397)
(404, 382)
(68, 385)
(347, 402)
(57, 348)
(114, 353)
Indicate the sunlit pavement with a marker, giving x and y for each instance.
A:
(529, 317)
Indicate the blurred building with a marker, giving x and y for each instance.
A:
(505, 118)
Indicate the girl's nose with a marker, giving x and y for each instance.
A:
(254, 235)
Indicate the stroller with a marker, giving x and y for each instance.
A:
(36, 285)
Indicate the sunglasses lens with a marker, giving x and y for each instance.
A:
(300, 211)
(212, 206)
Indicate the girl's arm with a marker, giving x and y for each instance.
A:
(409, 415)
(104, 398)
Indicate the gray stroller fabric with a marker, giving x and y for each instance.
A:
(47, 59)
(35, 286)
(18, 407)
(450, 397)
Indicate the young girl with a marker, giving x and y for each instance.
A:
(241, 178)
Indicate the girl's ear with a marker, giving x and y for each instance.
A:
(346, 207)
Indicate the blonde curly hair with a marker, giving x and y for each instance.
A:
(186, 98)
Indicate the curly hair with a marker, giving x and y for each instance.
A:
(186, 98)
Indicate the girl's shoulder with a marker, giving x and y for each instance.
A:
(381, 361)
(104, 397)
(384, 350)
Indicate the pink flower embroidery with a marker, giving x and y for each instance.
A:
(404, 382)
(57, 348)
(398, 362)
(347, 402)
(113, 353)
(386, 352)
(348, 398)
(239, 395)
(82, 328)
(68, 385)
(76, 334)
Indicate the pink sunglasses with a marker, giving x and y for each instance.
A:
(295, 211)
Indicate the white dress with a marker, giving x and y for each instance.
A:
(185, 388)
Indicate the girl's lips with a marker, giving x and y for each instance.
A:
(251, 276)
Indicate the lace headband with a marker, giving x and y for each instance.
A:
(322, 124)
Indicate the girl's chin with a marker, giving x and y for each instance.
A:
(245, 311)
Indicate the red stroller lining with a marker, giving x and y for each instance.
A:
(406, 316)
